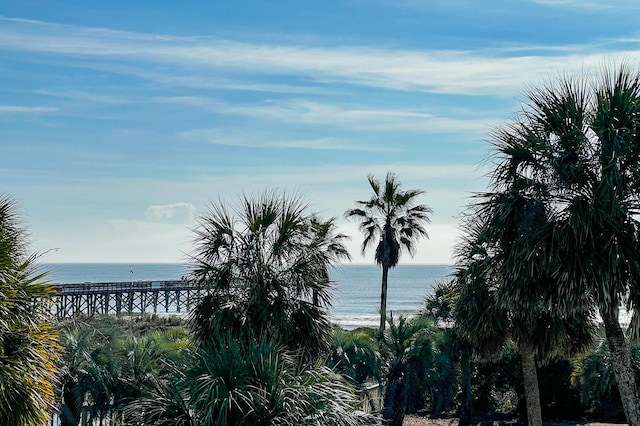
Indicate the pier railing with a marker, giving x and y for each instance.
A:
(89, 299)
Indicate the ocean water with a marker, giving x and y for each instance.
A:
(357, 291)
(356, 296)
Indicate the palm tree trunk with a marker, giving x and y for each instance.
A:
(622, 366)
(395, 401)
(465, 367)
(531, 389)
(72, 405)
(383, 298)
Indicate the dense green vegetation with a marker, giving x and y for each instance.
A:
(554, 241)
(140, 370)
(107, 362)
(259, 349)
(557, 237)
(259, 331)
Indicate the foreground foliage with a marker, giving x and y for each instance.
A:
(249, 383)
(408, 352)
(265, 264)
(108, 362)
(485, 315)
(557, 237)
(263, 323)
(355, 355)
(28, 347)
(574, 155)
(149, 366)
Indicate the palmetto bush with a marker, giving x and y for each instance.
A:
(88, 370)
(355, 355)
(106, 362)
(249, 382)
(265, 265)
(262, 325)
(28, 347)
(566, 196)
(409, 363)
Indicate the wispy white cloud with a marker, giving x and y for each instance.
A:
(191, 78)
(250, 139)
(331, 144)
(208, 103)
(300, 111)
(357, 117)
(580, 4)
(439, 71)
(18, 109)
(618, 7)
(85, 96)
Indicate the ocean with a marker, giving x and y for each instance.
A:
(357, 287)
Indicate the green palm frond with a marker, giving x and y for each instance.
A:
(558, 235)
(167, 404)
(265, 265)
(354, 355)
(248, 382)
(28, 342)
(390, 219)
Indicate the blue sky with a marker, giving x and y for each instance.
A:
(120, 121)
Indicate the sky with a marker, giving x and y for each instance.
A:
(121, 121)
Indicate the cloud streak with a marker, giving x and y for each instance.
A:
(390, 120)
(249, 139)
(356, 117)
(18, 109)
(581, 4)
(481, 72)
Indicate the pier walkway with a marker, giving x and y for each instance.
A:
(124, 297)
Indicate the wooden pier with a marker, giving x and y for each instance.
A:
(124, 298)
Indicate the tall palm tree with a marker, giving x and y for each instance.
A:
(501, 227)
(28, 348)
(392, 221)
(266, 265)
(578, 140)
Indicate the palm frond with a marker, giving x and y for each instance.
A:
(273, 276)
(28, 342)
